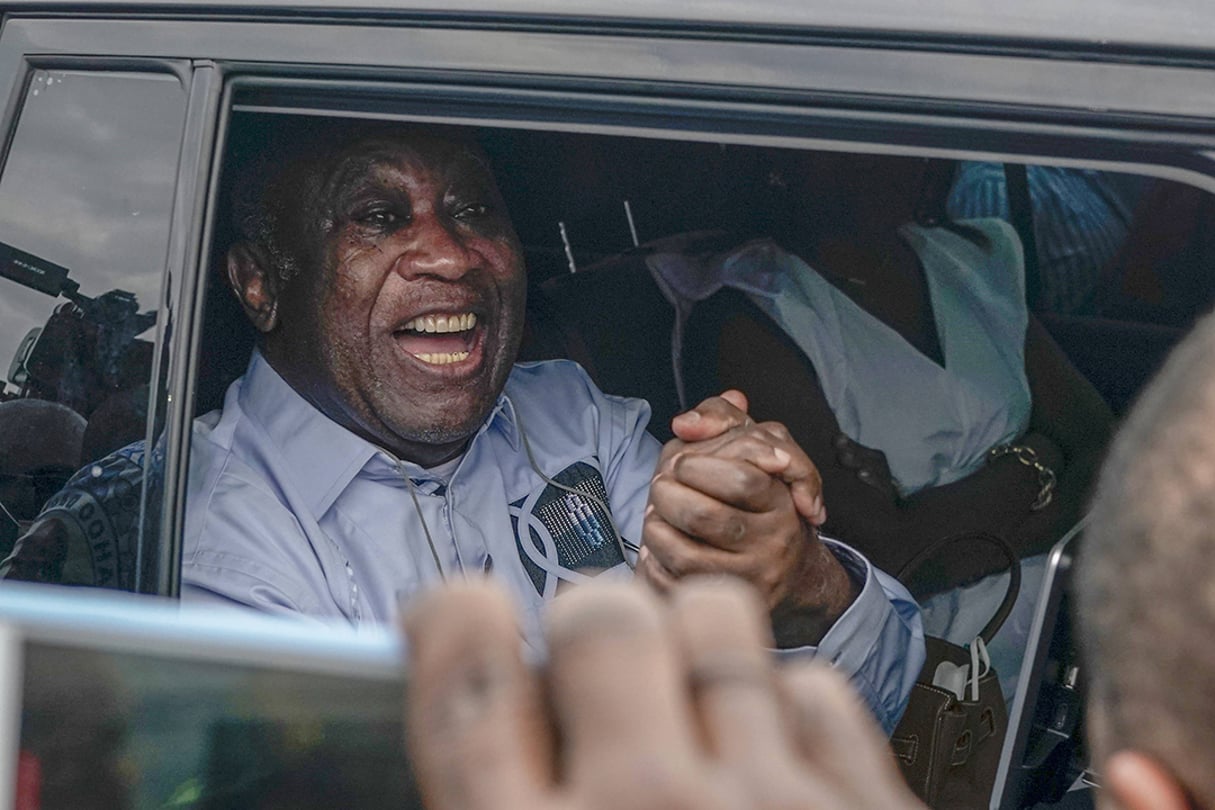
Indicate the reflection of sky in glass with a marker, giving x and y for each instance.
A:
(89, 185)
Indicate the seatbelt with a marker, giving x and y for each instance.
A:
(1021, 213)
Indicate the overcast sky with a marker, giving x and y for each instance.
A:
(89, 185)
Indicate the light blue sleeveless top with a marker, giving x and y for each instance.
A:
(934, 423)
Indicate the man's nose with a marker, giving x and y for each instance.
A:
(438, 249)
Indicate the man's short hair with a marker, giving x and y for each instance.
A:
(1146, 579)
(275, 170)
(270, 151)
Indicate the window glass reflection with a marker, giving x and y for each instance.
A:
(85, 203)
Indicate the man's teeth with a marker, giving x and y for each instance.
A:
(441, 358)
(442, 323)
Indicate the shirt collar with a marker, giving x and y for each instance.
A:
(501, 420)
(504, 419)
(320, 456)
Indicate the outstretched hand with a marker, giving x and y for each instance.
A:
(640, 705)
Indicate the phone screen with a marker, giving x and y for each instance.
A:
(114, 730)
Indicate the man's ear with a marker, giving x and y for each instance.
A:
(1132, 780)
(255, 283)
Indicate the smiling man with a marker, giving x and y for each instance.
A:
(383, 439)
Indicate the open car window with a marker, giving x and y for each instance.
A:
(863, 299)
(843, 290)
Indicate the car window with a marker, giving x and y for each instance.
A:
(85, 201)
(881, 306)
(836, 288)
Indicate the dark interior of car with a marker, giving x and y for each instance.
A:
(589, 208)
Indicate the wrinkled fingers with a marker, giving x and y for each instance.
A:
(719, 526)
(618, 695)
(679, 554)
(712, 417)
(733, 482)
(475, 720)
(839, 741)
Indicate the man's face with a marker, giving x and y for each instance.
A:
(406, 315)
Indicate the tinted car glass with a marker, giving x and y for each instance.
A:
(85, 202)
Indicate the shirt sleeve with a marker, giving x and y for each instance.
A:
(878, 642)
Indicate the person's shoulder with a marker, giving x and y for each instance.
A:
(997, 244)
(998, 231)
(238, 528)
(558, 381)
(563, 389)
(974, 242)
(549, 377)
(226, 478)
(224, 442)
(218, 427)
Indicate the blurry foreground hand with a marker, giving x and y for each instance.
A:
(642, 704)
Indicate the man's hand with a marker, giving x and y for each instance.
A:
(742, 498)
(641, 705)
(717, 416)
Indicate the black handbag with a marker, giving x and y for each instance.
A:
(948, 746)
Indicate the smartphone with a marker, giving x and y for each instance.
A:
(117, 701)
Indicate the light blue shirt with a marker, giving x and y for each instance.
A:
(1081, 220)
(287, 511)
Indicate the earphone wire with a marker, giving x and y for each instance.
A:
(434, 553)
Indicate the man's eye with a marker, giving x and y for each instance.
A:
(380, 218)
(472, 211)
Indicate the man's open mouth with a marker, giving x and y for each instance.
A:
(439, 339)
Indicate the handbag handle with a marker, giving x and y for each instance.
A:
(1014, 573)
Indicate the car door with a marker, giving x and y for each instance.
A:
(668, 116)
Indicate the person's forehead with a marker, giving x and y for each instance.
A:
(384, 153)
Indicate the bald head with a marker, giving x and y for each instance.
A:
(1146, 579)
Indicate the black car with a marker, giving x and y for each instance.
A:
(618, 132)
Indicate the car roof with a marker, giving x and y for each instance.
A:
(1100, 24)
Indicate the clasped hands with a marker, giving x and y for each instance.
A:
(737, 497)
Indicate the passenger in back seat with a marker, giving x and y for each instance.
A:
(897, 349)
(1081, 220)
